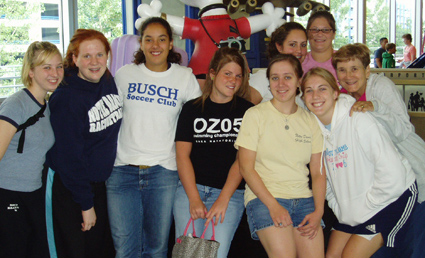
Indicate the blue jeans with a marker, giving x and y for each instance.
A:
(258, 214)
(140, 203)
(225, 231)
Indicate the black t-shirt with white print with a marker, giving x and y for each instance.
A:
(212, 132)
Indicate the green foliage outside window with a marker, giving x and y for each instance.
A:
(377, 24)
(101, 15)
(340, 9)
(20, 24)
(17, 19)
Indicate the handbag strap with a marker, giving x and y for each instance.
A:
(203, 233)
(213, 230)
(193, 227)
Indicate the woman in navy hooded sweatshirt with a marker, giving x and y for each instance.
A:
(86, 116)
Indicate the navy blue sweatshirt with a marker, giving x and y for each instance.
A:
(85, 118)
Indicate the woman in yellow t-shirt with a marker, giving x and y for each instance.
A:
(276, 141)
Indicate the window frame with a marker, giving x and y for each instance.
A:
(68, 15)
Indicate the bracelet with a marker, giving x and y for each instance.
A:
(164, 16)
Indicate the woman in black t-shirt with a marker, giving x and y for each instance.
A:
(210, 183)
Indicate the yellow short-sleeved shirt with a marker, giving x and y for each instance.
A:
(282, 155)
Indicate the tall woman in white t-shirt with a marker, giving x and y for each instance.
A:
(143, 182)
(276, 141)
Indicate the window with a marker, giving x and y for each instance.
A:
(377, 23)
(345, 19)
(404, 24)
(51, 35)
(101, 15)
(51, 12)
(25, 21)
(20, 25)
(422, 49)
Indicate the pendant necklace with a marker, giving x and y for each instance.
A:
(287, 117)
(286, 124)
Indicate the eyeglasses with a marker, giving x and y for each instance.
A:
(325, 30)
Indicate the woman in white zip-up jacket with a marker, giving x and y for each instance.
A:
(371, 187)
(378, 95)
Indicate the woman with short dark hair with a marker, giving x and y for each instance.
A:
(321, 30)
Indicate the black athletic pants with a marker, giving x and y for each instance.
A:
(70, 241)
(23, 224)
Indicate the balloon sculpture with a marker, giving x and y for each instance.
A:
(214, 28)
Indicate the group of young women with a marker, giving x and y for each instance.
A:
(127, 154)
(371, 160)
(109, 145)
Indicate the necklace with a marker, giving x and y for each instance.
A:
(285, 116)
(286, 124)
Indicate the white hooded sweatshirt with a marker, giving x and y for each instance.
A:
(365, 172)
(390, 111)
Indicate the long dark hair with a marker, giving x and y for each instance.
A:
(139, 56)
(279, 36)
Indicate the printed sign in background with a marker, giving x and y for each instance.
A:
(414, 97)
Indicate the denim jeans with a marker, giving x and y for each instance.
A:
(259, 218)
(140, 203)
(225, 231)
